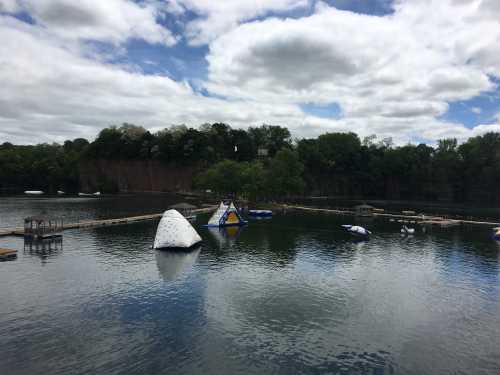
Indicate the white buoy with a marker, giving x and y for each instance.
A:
(175, 231)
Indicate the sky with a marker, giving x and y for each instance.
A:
(413, 70)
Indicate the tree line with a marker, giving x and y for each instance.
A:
(265, 163)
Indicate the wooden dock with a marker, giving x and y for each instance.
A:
(7, 253)
(401, 218)
(19, 231)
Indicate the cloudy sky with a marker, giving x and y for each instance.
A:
(415, 70)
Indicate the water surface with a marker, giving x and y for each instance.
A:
(293, 294)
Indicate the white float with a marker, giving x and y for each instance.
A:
(357, 230)
(174, 231)
(406, 230)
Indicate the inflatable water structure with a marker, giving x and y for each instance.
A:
(174, 231)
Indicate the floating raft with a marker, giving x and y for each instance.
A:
(415, 219)
(7, 253)
(101, 223)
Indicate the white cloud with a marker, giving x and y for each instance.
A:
(476, 110)
(56, 94)
(9, 6)
(113, 21)
(392, 76)
(217, 17)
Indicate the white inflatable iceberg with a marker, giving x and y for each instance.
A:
(175, 231)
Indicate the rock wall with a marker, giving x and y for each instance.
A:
(135, 175)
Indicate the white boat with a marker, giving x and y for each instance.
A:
(60, 192)
(174, 231)
(97, 193)
(357, 230)
(34, 192)
(406, 230)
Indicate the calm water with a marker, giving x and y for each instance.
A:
(289, 295)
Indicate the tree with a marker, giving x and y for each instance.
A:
(285, 174)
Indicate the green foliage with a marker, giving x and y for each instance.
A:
(285, 173)
(252, 180)
(331, 164)
(41, 167)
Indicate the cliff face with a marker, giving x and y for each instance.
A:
(135, 175)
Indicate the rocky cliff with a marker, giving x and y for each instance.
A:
(135, 175)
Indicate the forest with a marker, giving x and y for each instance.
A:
(265, 162)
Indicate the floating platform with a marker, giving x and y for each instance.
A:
(19, 231)
(7, 254)
(260, 213)
(401, 218)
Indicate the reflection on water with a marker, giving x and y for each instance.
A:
(43, 247)
(172, 264)
(295, 294)
(225, 236)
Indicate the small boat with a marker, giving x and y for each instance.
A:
(406, 230)
(34, 192)
(357, 230)
(174, 231)
(60, 192)
(260, 213)
(97, 193)
(496, 233)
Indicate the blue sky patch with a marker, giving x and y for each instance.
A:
(332, 110)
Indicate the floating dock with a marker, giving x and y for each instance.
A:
(401, 218)
(7, 254)
(19, 231)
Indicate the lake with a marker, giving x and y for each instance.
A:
(294, 294)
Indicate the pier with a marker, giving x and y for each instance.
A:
(19, 231)
(7, 254)
(401, 218)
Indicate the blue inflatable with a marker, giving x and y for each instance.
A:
(260, 213)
